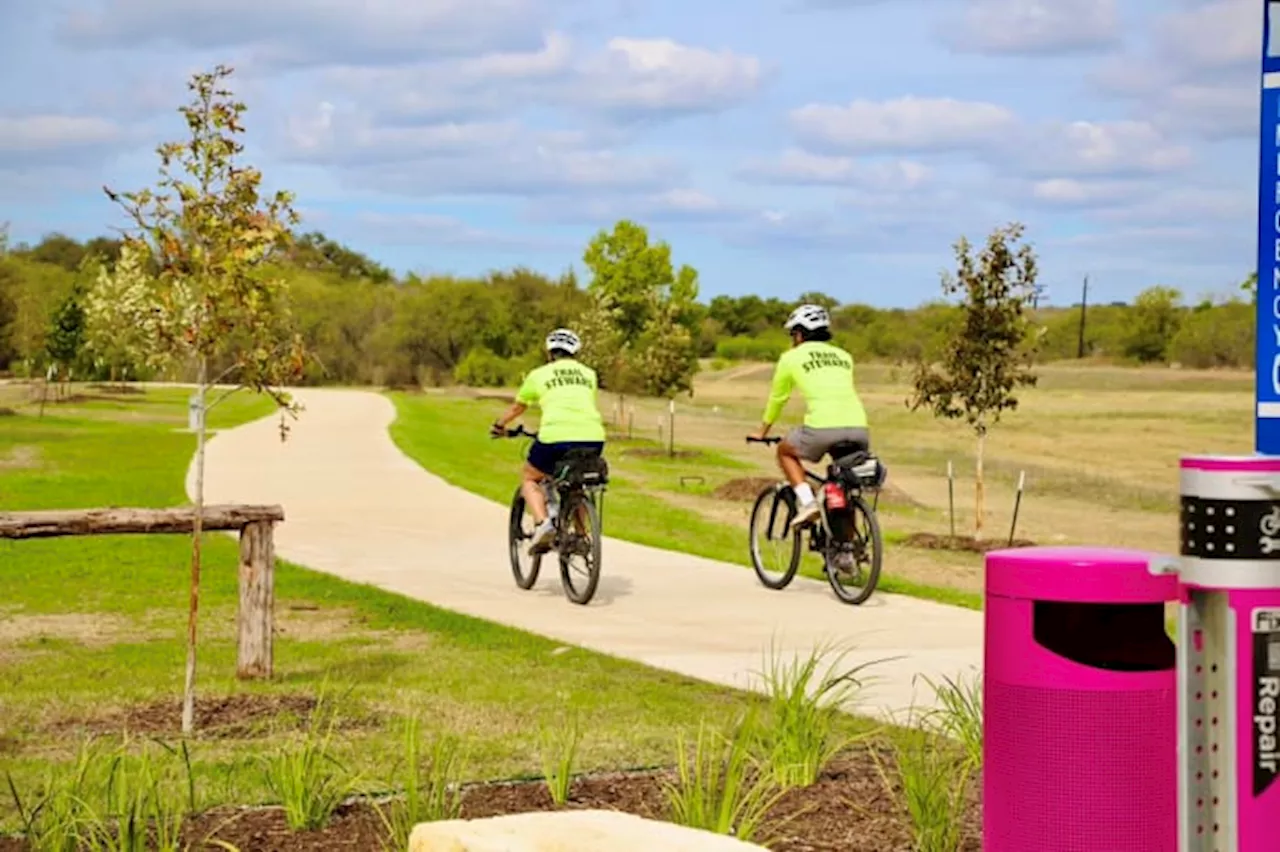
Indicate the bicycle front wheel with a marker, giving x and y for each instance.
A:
(580, 549)
(520, 528)
(775, 555)
(854, 583)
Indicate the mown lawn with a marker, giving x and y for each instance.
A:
(92, 629)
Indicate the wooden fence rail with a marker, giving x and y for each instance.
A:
(255, 619)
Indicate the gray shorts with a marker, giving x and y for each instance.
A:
(812, 444)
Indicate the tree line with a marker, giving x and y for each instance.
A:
(365, 325)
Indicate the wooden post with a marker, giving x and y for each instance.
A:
(257, 598)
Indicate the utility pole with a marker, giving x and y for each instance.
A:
(1084, 307)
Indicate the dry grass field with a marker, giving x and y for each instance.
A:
(1099, 445)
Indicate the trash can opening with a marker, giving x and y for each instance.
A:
(1127, 637)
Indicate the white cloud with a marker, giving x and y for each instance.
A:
(923, 125)
(628, 78)
(42, 133)
(503, 158)
(662, 75)
(1076, 192)
(796, 166)
(1036, 26)
(678, 204)
(312, 31)
(1064, 149)
(1214, 35)
(1197, 73)
(904, 124)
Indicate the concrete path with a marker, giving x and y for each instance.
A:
(355, 506)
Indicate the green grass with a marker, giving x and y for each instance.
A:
(449, 437)
(91, 626)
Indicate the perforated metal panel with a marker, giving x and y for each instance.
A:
(1052, 755)
(1207, 778)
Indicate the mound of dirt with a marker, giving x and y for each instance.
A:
(742, 490)
(660, 453)
(745, 491)
(963, 544)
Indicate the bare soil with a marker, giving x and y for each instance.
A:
(242, 716)
(966, 544)
(849, 809)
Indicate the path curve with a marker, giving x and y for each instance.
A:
(357, 507)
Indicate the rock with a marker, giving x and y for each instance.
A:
(568, 831)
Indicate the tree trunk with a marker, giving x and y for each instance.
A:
(979, 490)
(188, 691)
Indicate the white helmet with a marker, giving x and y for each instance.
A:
(563, 338)
(808, 317)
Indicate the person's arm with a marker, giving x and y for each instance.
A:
(779, 393)
(512, 412)
(527, 394)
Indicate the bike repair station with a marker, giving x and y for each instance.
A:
(1103, 734)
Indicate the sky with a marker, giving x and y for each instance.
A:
(778, 146)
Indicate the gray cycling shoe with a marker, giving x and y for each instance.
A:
(542, 537)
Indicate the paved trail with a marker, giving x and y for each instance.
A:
(355, 506)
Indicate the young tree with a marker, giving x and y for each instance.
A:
(988, 356)
(119, 327)
(64, 341)
(638, 332)
(206, 230)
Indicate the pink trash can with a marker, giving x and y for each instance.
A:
(1079, 702)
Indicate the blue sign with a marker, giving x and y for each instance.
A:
(1267, 378)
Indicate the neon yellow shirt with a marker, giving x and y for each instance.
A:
(565, 391)
(824, 374)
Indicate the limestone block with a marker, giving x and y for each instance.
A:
(569, 831)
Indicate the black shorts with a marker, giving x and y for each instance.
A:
(545, 457)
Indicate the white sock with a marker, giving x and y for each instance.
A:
(805, 493)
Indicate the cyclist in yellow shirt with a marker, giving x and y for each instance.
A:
(833, 411)
(565, 391)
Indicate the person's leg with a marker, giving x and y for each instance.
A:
(798, 446)
(531, 487)
(540, 465)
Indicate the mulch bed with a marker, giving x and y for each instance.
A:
(847, 810)
(241, 716)
(966, 544)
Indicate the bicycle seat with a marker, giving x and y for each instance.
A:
(848, 454)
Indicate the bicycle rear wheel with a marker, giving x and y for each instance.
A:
(580, 537)
(520, 527)
(854, 585)
(775, 555)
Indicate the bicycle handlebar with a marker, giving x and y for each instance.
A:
(518, 432)
(754, 440)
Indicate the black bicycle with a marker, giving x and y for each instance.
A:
(575, 498)
(846, 533)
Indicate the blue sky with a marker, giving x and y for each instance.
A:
(778, 145)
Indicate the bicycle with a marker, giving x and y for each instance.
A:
(836, 534)
(576, 491)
